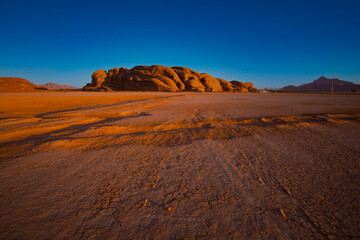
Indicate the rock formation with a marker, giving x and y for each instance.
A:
(13, 84)
(323, 84)
(243, 87)
(160, 78)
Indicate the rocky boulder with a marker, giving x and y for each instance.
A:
(211, 84)
(227, 86)
(243, 87)
(99, 77)
(156, 78)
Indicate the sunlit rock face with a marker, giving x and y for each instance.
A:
(243, 87)
(159, 78)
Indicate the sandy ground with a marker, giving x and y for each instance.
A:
(179, 166)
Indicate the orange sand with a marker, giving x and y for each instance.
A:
(179, 166)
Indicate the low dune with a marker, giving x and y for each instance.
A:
(14, 84)
(161, 165)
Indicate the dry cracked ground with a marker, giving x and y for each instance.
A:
(179, 166)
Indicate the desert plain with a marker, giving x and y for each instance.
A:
(157, 165)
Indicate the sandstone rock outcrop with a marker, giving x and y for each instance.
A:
(158, 78)
(211, 84)
(226, 85)
(243, 87)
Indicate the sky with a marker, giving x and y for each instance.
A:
(265, 42)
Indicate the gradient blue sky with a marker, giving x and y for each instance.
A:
(290, 42)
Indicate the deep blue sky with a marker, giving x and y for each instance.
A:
(290, 42)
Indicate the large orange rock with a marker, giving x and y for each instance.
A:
(169, 73)
(155, 78)
(226, 86)
(249, 85)
(98, 77)
(190, 78)
(243, 87)
(211, 84)
(187, 70)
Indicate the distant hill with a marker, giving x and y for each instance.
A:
(55, 86)
(13, 84)
(323, 84)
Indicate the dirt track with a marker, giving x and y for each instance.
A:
(179, 166)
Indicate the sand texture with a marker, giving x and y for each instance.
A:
(160, 165)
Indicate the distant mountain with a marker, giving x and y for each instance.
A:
(13, 84)
(55, 86)
(323, 84)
